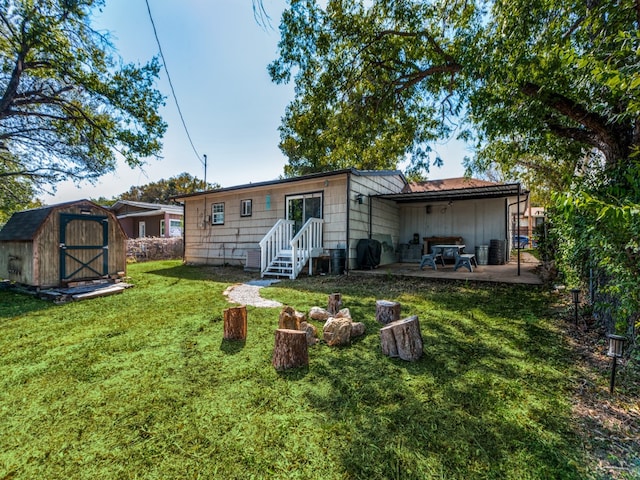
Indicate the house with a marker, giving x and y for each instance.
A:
(141, 219)
(54, 245)
(281, 226)
(530, 218)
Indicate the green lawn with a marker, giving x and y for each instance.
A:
(141, 385)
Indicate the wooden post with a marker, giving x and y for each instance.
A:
(402, 338)
(290, 349)
(387, 311)
(335, 303)
(235, 323)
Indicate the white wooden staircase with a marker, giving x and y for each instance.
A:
(284, 255)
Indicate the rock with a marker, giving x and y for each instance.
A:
(357, 329)
(344, 313)
(337, 331)
(319, 314)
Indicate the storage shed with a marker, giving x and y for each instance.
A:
(54, 245)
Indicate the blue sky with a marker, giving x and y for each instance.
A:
(217, 56)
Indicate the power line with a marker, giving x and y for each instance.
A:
(173, 92)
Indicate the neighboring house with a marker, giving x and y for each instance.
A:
(141, 219)
(530, 218)
(279, 225)
(54, 245)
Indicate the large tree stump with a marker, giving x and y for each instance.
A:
(235, 323)
(290, 349)
(335, 303)
(387, 312)
(402, 338)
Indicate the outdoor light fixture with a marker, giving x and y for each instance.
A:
(360, 198)
(428, 209)
(575, 293)
(616, 346)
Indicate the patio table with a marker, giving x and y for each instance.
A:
(447, 250)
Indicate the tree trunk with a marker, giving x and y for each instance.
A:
(335, 303)
(290, 349)
(387, 312)
(235, 323)
(402, 338)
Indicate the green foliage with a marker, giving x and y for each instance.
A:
(546, 88)
(162, 190)
(599, 224)
(125, 387)
(67, 104)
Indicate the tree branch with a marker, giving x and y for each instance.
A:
(604, 138)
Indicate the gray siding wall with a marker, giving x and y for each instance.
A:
(385, 215)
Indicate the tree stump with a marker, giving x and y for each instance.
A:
(402, 338)
(289, 319)
(387, 312)
(335, 303)
(235, 323)
(290, 349)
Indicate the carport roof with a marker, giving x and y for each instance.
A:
(453, 189)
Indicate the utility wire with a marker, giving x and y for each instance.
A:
(173, 92)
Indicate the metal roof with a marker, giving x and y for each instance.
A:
(496, 190)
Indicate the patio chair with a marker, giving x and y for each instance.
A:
(464, 260)
(430, 260)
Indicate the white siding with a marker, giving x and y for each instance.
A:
(476, 221)
(228, 243)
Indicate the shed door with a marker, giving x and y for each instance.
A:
(84, 246)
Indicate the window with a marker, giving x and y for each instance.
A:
(245, 208)
(142, 229)
(175, 227)
(217, 214)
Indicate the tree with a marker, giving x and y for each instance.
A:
(376, 81)
(67, 104)
(162, 190)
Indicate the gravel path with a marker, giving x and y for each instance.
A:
(249, 294)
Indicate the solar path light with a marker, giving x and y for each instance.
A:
(575, 294)
(616, 347)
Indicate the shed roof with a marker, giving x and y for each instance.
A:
(24, 225)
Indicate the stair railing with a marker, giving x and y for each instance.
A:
(306, 244)
(275, 241)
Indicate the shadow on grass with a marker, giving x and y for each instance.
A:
(487, 399)
(13, 304)
(232, 347)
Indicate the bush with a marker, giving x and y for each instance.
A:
(154, 248)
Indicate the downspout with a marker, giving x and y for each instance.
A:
(346, 261)
(518, 227)
(184, 232)
(370, 219)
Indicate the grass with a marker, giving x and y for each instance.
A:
(141, 385)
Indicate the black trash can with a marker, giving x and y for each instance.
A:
(497, 252)
(337, 257)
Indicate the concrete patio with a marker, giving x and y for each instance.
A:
(507, 273)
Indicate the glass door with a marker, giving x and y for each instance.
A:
(301, 208)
